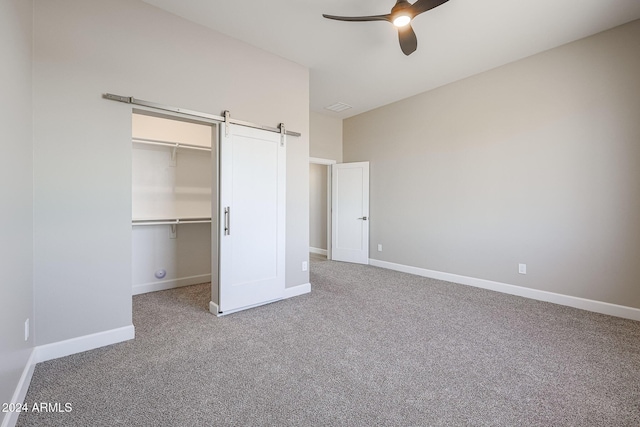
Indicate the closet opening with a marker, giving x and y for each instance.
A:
(174, 202)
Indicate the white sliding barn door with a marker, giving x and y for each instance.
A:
(251, 218)
(350, 212)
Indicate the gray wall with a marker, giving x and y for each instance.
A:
(535, 162)
(16, 193)
(82, 158)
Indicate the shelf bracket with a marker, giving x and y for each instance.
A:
(227, 118)
(173, 233)
(174, 153)
(283, 134)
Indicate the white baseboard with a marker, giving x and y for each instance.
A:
(318, 251)
(11, 418)
(143, 288)
(295, 291)
(83, 343)
(570, 301)
(55, 350)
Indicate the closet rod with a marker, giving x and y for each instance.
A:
(170, 144)
(134, 101)
(172, 221)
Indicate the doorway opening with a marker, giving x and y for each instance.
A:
(174, 202)
(217, 179)
(320, 209)
(338, 211)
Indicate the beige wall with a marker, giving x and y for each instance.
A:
(159, 128)
(325, 139)
(82, 143)
(535, 162)
(16, 194)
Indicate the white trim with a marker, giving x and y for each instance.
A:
(83, 343)
(295, 291)
(319, 161)
(567, 300)
(143, 288)
(317, 251)
(11, 418)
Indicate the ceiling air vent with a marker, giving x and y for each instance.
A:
(338, 107)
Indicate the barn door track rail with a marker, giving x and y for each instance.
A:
(226, 118)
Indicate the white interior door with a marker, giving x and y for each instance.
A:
(252, 218)
(350, 212)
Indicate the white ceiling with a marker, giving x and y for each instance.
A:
(360, 63)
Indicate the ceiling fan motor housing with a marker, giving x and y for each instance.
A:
(400, 7)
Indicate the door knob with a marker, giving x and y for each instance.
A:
(364, 218)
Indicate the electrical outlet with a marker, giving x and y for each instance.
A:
(379, 247)
(26, 329)
(304, 265)
(522, 268)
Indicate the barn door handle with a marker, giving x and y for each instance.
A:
(227, 221)
(364, 218)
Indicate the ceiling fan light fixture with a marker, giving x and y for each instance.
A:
(401, 20)
(401, 15)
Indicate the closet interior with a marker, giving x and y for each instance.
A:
(174, 171)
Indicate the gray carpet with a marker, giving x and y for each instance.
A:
(368, 347)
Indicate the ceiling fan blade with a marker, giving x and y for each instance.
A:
(359, 18)
(424, 5)
(408, 40)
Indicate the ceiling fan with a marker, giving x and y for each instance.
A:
(401, 16)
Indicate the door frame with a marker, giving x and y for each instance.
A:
(328, 163)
